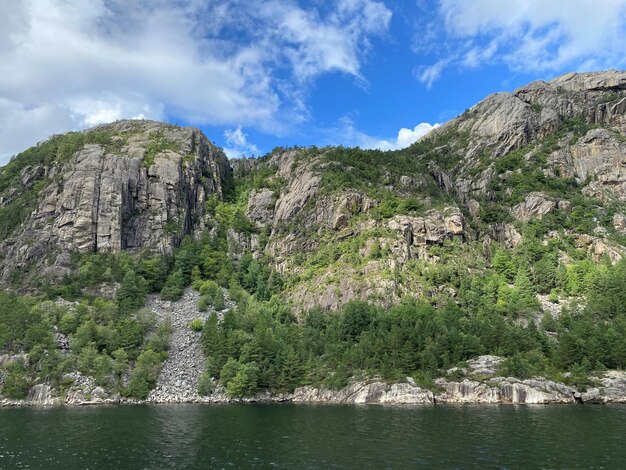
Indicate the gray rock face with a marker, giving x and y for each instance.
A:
(507, 234)
(535, 206)
(619, 223)
(612, 389)
(485, 365)
(434, 228)
(42, 395)
(375, 392)
(130, 196)
(261, 206)
(506, 121)
(600, 157)
(505, 390)
(598, 248)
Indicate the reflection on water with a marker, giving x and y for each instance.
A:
(313, 437)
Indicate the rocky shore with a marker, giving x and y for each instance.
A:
(609, 387)
(478, 381)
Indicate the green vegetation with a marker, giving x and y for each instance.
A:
(196, 324)
(109, 338)
(262, 345)
(158, 143)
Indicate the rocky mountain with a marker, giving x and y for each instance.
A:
(129, 185)
(549, 148)
(500, 234)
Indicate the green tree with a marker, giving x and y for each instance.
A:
(16, 385)
(229, 371)
(131, 294)
(244, 383)
(144, 376)
(219, 302)
(174, 286)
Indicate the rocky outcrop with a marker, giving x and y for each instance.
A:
(482, 386)
(331, 291)
(503, 122)
(611, 388)
(362, 393)
(7, 360)
(433, 228)
(598, 248)
(505, 390)
(147, 189)
(619, 223)
(85, 391)
(41, 395)
(599, 158)
(243, 166)
(507, 234)
(82, 391)
(534, 206)
(261, 206)
(484, 365)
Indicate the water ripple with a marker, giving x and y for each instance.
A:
(313, 437)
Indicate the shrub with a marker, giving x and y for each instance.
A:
(209, 288)
(174, 286)
(196, 324)
(204, 301)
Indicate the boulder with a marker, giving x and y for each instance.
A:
(534, 206)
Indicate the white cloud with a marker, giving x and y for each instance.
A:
(218, 63)
(19, 124)
(430, 74)
(405, 137)
(348, 134)
(530, 35)
(237, 144)
(313, 45)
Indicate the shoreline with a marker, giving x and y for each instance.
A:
(610, 389)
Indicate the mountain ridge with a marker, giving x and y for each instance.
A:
(500, 233)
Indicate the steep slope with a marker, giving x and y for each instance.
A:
(344, 223)
(123, 186)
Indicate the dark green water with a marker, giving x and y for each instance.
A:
(313, 437)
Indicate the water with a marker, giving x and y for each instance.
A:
(313, 437)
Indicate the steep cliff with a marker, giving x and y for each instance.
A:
(124, 186)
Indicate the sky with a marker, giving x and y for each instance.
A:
(254, 75)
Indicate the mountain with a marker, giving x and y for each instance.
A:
(550, 154)
(499, 233)
(124, 186)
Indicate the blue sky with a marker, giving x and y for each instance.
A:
(258, 74)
